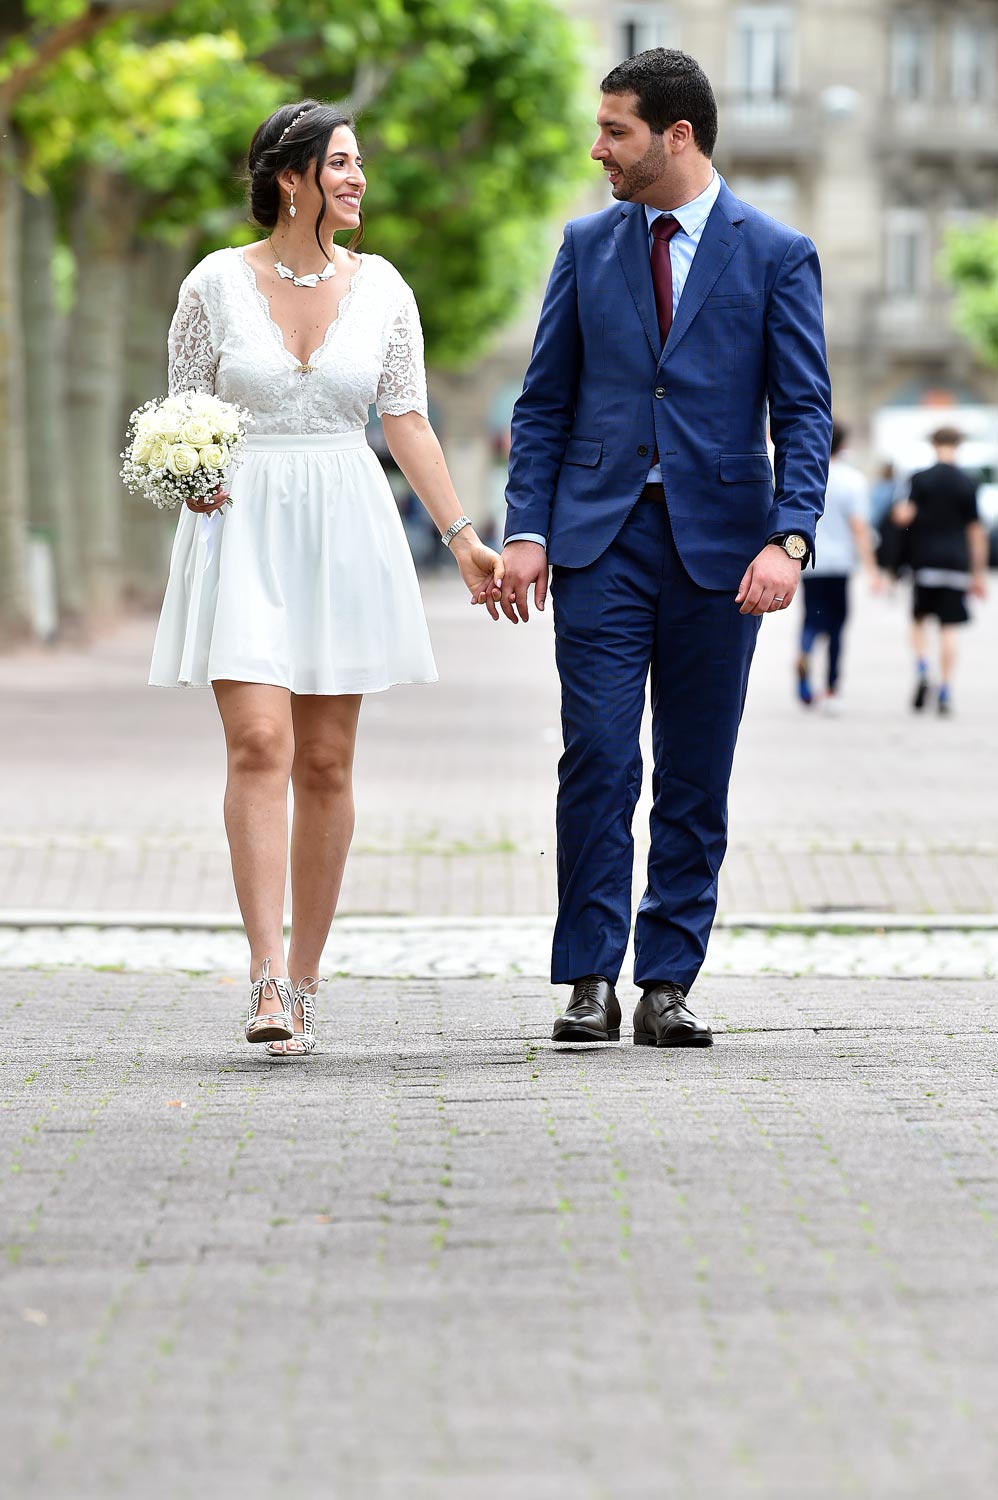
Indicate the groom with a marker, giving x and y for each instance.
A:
(675, 322)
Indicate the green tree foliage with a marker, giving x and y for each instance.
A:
(133, 117)
(475, 134)
(469, 115)
(170, 119)
(970, 265)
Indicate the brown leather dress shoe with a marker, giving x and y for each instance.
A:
(663, 1019)
(593, 1014)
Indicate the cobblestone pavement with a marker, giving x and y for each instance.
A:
(110, 792)
(443, 1259)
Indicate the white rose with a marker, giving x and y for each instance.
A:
(214, 456)
(159, 452)
(198, 432)
(141, 447)
(227, 423)
(182, 459)
(200, 404)
(169, 426)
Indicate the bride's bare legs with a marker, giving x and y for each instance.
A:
(325, 730)
(259, 740)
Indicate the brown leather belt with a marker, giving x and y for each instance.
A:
(654, 492)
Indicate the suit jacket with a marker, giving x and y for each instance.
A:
(601, 394)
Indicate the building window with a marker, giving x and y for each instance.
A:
(763, 51)
(911, 57)
(642, 26)
(972, 61)
(908, 252)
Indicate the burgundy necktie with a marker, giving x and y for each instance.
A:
(663, 228)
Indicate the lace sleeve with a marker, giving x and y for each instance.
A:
(191, 346)
(402, 387)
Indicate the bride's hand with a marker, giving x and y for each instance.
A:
(481, 569)
(209, 503)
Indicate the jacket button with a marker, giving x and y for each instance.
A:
(660, 391)
(643, 451)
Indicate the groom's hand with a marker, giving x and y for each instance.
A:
(769, 584)
(525, 563)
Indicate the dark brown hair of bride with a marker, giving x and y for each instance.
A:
(295, 137)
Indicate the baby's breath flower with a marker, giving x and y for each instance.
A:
(178, 448)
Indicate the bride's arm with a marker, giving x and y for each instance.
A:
(416, 449)
(193, 365)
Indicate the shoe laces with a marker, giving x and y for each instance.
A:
(672, 993)
(588, 988)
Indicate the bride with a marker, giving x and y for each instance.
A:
(301, 596)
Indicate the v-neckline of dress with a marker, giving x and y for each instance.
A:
(276, 327)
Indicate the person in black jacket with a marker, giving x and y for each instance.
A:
(947, 549)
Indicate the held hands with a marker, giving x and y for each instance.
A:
(526, 563)
(212, 502)
(769, 584)
(481, 568)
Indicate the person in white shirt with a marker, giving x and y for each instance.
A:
(843, 535)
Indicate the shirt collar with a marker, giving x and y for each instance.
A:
(693, 215)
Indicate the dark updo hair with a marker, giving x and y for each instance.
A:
(293, 138)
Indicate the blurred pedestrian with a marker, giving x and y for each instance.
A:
(844, 536)
(302, 597)
(883, 493)
(889, 538)
(674, 320)
(948, 551)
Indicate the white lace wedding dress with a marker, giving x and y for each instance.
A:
(306, 581)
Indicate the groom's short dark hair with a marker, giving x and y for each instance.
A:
(670, 86)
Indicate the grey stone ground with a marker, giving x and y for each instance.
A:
(442, 1259)
(110, 792)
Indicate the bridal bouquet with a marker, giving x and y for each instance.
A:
(178, 449)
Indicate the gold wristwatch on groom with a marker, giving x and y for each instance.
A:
(793, 544)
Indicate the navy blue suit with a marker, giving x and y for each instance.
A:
(639, 586)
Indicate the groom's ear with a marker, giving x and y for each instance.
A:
(679, 135)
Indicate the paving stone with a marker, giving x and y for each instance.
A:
(442, 1258)
(111, 792)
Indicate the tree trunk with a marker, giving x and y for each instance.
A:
(45, 399)
(42, 45)
(15, 619)
(102, 236)
(154, 275)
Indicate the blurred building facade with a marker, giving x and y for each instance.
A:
(871, 125)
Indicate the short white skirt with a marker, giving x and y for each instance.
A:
(305, 581)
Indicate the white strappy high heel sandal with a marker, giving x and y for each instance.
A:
(300, 1043)
(271, 1026)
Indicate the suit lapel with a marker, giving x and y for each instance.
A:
(718, 243)
(631, 239)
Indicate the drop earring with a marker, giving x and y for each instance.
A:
(291, 206)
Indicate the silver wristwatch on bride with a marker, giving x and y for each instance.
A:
(454, 528)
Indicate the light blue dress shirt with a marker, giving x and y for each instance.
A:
(692, 217)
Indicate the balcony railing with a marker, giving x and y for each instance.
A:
(917, 322)
(766, 127)
(938, 127)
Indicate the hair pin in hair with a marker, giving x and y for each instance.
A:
(294, 122)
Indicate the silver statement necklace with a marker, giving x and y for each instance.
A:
(314, 277)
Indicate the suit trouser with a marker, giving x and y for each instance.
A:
(633, 610)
